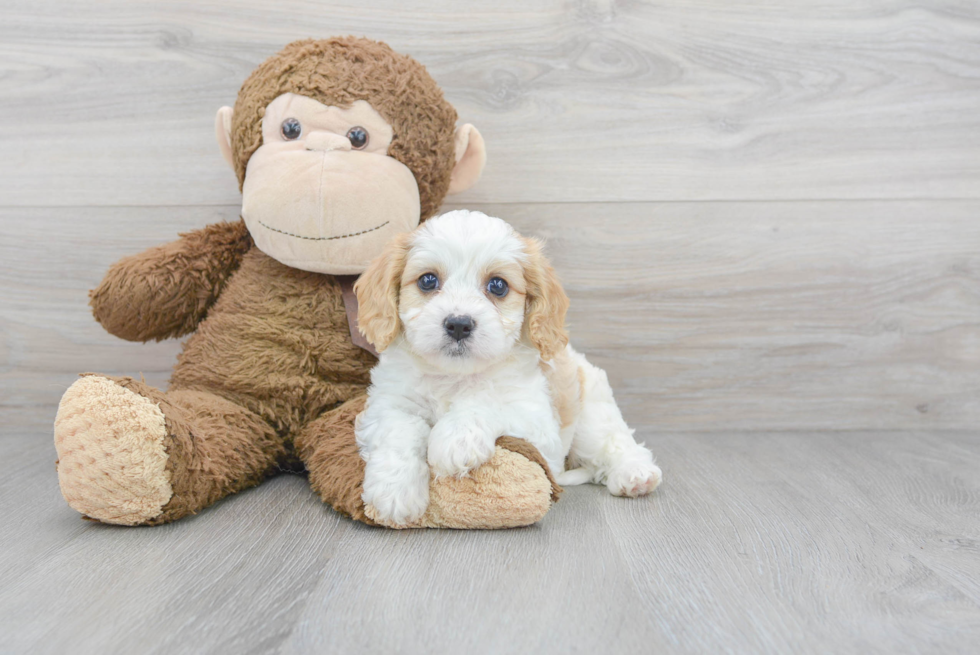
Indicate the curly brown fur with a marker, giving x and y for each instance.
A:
(329, 449)
(270, 379)
(341, 71)
(276, 342)
(214, 447)
(166, 291)
(272, 356)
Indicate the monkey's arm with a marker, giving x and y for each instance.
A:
(164, 292)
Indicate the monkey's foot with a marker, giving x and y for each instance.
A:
(111, 455)
(513, 489)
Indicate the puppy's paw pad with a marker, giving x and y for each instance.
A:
(634, 481)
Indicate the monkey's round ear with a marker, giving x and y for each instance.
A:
(471, 155)
(222, 131)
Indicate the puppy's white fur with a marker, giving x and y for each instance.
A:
(439, 403)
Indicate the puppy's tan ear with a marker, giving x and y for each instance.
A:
(377, 292)
(547, 304)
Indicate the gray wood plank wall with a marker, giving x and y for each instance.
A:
(766, 214)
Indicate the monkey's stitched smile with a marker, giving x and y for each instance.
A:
(341, 236)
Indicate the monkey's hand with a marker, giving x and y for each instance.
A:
(164, 292)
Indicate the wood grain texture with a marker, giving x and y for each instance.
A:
(830, 315)
(804, 542)
(113, 102)
(766, 215)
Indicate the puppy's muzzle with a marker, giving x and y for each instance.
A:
(459, 327)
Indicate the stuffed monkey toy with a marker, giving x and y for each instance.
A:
(339, 145)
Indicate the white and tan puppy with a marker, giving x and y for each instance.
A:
(469, 319)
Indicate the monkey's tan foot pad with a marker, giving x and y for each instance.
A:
(511, 490)
(111, 455)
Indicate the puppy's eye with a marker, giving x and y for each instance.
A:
(497, 287)
(291, 129)
(428, 282)
(358, 137)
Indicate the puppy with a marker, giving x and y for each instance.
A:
(469, 319)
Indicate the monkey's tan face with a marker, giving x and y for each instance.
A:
(321, 193)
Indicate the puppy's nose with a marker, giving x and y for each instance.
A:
(459, 327)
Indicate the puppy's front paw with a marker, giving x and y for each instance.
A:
(398, 490)
(634, 478)
(456, 447)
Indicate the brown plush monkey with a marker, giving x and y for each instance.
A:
(339, 145)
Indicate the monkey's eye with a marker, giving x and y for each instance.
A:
(358, 137)
(291, 129)
(498, 287)
(428, 282)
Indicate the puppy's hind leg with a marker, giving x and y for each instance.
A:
(603, 444)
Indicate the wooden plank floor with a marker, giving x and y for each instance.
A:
(806, 542)
(766, 215)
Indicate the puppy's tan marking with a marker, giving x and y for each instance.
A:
(566, 381)
(547, 304)
(377, 292)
